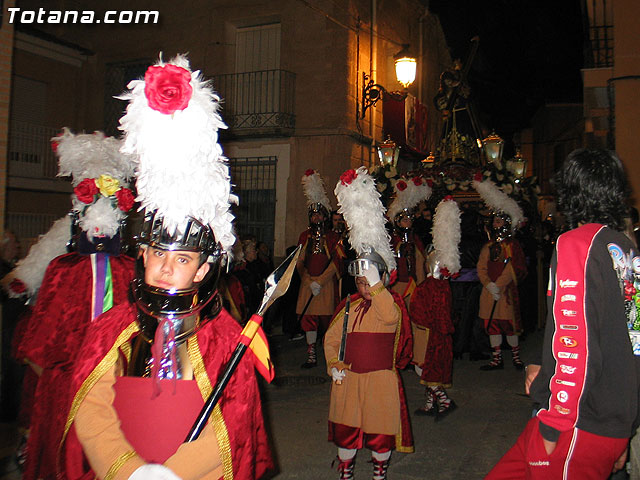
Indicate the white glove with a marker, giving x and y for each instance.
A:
(496, 296)
(371, 274)
(315, 288)
(337, 375)
(493, 288)
(153, 471)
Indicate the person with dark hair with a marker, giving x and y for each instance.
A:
(586, 390)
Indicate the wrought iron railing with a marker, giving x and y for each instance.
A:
(30, 153)
(598, 31)
(257, 102)
(29, 226)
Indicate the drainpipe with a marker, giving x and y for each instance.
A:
(373, 67)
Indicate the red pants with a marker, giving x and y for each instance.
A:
(352, 437)
(315, 323)
(578, 455)
(499, 326)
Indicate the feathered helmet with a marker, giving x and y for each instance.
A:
(444, 258)
(359, 203)
(502, 206)
(171, 125)
(317, 200)
(408, 193)
(101, 197)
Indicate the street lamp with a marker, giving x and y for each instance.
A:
(388, 152)
(493, 146)
(517, 165)
(405, 74)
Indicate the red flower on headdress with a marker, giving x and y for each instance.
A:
(401, 185)
(125, 199)
(417, 181)
(86, 190)
(17, 286)
(309, 171)
(478, 177)
(448, 197)
(54, 146)
(167, 88)
(429, 182)
(348, 176)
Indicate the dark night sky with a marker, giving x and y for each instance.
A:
(530, 53)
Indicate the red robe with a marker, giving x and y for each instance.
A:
(431, 309)
(51, 338)
(247, 451)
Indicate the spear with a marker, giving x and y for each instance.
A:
(275, 286)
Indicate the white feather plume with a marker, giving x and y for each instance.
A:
(91, 155)
(31, 269)
(99, 218)
(499, 201)
(446, 235)
(359, 202)
(182, 171)
(409, 197)
(313, 188)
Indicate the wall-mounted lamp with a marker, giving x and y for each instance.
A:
(405, 74)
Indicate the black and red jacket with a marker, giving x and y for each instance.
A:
(590, 378)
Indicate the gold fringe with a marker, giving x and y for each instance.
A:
(377, 290)
(124, 458)
(219, 426)
(105, 364)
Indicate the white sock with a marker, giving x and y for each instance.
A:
(381, 457)
(495, 340)
(311, 337)
(512, 340)
(345, 454)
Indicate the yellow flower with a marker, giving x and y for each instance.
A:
(107, 185)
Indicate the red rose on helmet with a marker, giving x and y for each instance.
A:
(429, 182)
(478, 177)
(417, 181)
(86, 190)
(167, 88)
(125, 199)
(349, 176)
(310, 171)
(448, 197)
(401, 185)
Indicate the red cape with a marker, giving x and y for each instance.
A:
(249, 451)
(51, 335)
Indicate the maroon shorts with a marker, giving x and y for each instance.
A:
(499, 326)
(352, 437)
(313, 323)
(578, 455)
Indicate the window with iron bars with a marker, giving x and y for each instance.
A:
(254, 182)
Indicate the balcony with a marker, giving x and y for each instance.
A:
(32, 163)
(257, 103)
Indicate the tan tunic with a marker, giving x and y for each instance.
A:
(504, 308)
(98, 430)
(369, 401)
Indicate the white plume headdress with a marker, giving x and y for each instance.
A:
(498, 201)
(313, 188)
(446, 234)
(25, 279)
(172, 124)
(408, 193)
(359, 203)
(99, 174)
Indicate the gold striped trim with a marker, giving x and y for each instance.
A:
(124, 458)
(377, 290)
(105, 364)
(217, 420)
